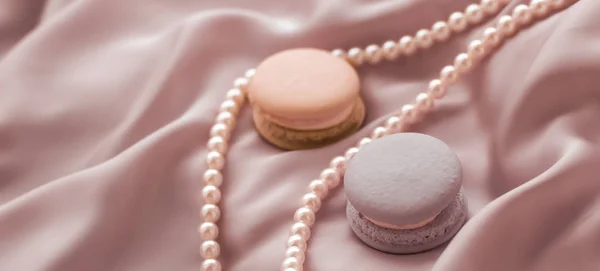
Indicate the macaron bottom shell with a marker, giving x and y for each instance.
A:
(293, 139)
(410, 241)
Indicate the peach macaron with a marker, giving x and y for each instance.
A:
(305, 98)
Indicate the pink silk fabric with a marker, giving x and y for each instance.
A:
(105, 107)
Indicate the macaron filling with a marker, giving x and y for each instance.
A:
(308, 123)
(401, 227)
(295, 139)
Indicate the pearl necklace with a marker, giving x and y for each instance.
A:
(331, 177)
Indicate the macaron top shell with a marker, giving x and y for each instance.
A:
(403, 179)
(304, 83)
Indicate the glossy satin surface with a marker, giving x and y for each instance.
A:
(105, 107)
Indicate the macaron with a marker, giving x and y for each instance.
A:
(305, 98)
(404, 193)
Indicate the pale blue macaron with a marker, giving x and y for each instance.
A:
(405, 193)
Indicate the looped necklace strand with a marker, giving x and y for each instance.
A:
(330, 178)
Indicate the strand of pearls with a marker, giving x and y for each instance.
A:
(424, 38)
(331, 177)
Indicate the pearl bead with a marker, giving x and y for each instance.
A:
(297, 241)
(506, 25)
(409, 113)
(491, 37)
(556, 4)
(301, 229)
(339, 163)
(448, 75)
(211, 265)
(457, 21)
(319, 188)
(441, 31)
(295, 252)
(407, 45)
(463, 62)
(211, 213)
(339, 53)
(312, 201)
(424, 102)
(212, 177)
(474, 13)
(211, 194)
(476, 49)
(229, 106)
(292, 269)
(355, 56)
(290, 263)
(306, 215)
(331, 177)
(373, 54)
(208, 231)
(225, 118)
(250, 73)
(379, 132)
(540, 8)
(217, 144)
(436, 89)
(364, 142)
(241, 83)
(522, 14)
(490, 6)
(215, 160)
(210, 249)
(393, 124)
(390, 50)
(236, 95)
(221, 130)
(424, 38)
(350, 153)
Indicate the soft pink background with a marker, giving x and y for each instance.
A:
(105, 107)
